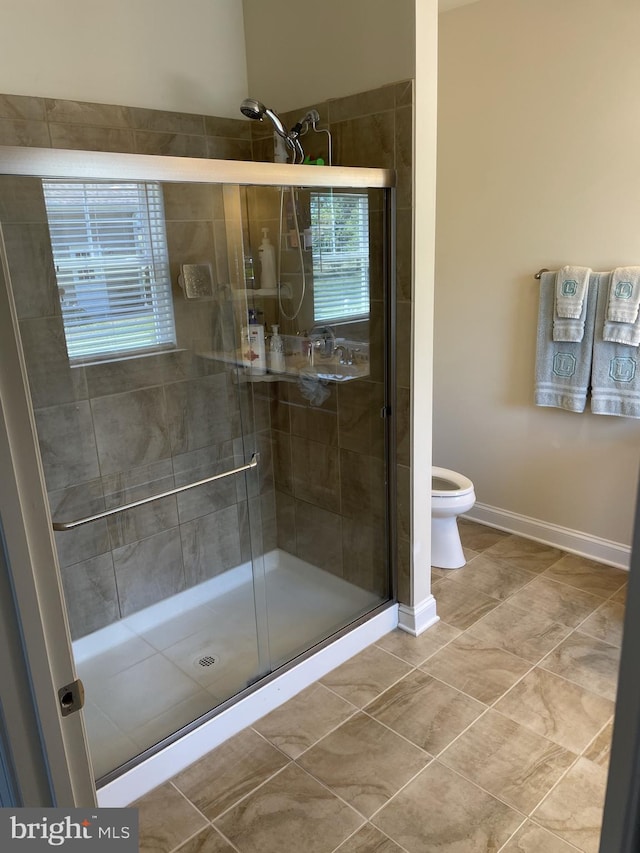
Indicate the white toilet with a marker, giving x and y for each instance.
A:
(451, 495)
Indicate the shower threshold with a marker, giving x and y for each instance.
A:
(151, 674)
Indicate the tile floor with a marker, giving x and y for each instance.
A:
(488, 733)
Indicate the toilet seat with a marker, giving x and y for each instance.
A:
(458, 484)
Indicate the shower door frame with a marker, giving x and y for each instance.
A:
(29, 542)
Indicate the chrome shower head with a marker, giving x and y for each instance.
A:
(252, 109)
(256, 110)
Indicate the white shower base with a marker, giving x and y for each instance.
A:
(143, 677)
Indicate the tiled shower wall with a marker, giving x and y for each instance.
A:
(335, 446)
(371, 129)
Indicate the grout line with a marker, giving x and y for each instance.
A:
(193, 805)
(513, 835)
(251, 792)
(377, 829)
(316, 742)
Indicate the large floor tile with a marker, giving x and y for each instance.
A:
(229, 772)
(369, 840)
(527, 634)
(440, 812)
(508, 760)
(524, 553)
(606, 623)
(476, 668)
(556, 708)
(599, 751)
(479, 537)
(303, 720)
(534, 839)
(415, 650)
(365, 675)
(573, 810)
(587, 575)
(426, 711)
(461, 606)
(166, 819)
(621, 595)
(559, 602)
(364, 763)
(492, 577)
(290, 813)
(207, 841)
(589, 662)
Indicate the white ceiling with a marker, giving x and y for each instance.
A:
(445, 5)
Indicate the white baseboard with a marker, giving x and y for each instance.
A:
(574, 541)
(415, 620)
(165, 764)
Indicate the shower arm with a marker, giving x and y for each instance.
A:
(290, 138)
(70, 525)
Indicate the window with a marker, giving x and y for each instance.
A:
(340, 251)
(110, 254)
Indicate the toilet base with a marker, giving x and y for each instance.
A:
(446, 548)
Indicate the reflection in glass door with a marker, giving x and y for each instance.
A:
(216, 513)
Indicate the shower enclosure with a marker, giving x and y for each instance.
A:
(217, 513)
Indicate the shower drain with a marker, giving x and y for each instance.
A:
(206, 660)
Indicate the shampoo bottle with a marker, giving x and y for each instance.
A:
(267, 262)
(276, 352)
(253, 350)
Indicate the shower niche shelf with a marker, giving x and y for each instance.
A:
(297, 367)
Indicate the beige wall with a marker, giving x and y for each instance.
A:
(300, 53)
(539, 165)
(187, 56)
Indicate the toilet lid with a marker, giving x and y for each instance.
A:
(447, 484)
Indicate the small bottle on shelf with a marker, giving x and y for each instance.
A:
(253, 349)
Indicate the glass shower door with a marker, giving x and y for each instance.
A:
(217, 514)
(119, 288)
(327, 561)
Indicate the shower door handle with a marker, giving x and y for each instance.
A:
(70, 525)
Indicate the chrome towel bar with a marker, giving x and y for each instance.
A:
(69, 525)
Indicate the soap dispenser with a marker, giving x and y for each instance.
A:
(267, 262)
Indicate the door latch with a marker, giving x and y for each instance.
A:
(71, 697)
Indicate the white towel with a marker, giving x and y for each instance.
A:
(571, 296)
(563, 368)
(622, 319)
(624, 295)
(571, 289)
(615, 378)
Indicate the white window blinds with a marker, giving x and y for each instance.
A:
(340, 251)
(110, 254)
